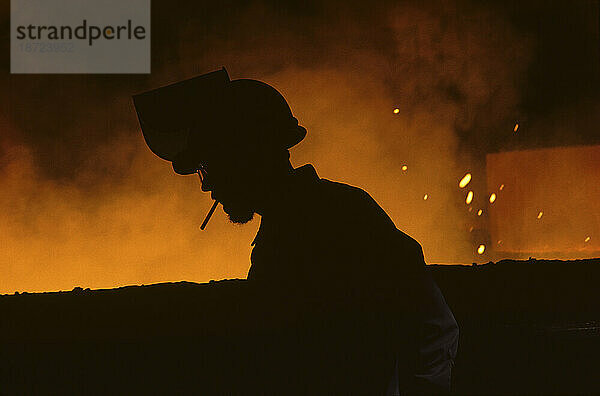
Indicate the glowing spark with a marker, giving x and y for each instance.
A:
(516, 127)
(481, 249)
(404, 168)
(501, 187)
(464, 181)
(470, 208)
(539, 216)
(396, 111)
(425, 197)
(469, 197)
(479, 212)
(492, 198)
(470, 229)
(500, 242)
(587, 239)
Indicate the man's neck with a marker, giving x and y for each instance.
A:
(277, 192)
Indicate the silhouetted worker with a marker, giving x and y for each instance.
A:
(326, 246)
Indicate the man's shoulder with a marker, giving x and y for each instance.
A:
(338, 190)
(340, 197)
(359, 208)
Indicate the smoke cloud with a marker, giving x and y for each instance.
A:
(87, 204)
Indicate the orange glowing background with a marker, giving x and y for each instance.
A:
(402, 99)
(549, 206)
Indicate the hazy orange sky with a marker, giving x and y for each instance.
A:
(85, 203)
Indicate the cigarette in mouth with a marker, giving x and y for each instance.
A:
(209, 214)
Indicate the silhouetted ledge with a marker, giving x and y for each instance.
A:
(526, 327)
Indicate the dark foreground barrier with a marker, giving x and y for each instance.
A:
(526, 327)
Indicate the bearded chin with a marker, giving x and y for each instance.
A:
(240, 216)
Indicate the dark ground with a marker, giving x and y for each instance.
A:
(526, 327)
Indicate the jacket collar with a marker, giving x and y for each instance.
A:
(305, 173)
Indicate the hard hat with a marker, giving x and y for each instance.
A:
(182, 122)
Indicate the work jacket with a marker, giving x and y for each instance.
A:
(366, 308)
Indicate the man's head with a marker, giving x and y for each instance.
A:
(242, 182)
(238, 132)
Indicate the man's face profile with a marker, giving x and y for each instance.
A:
(231, 183)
